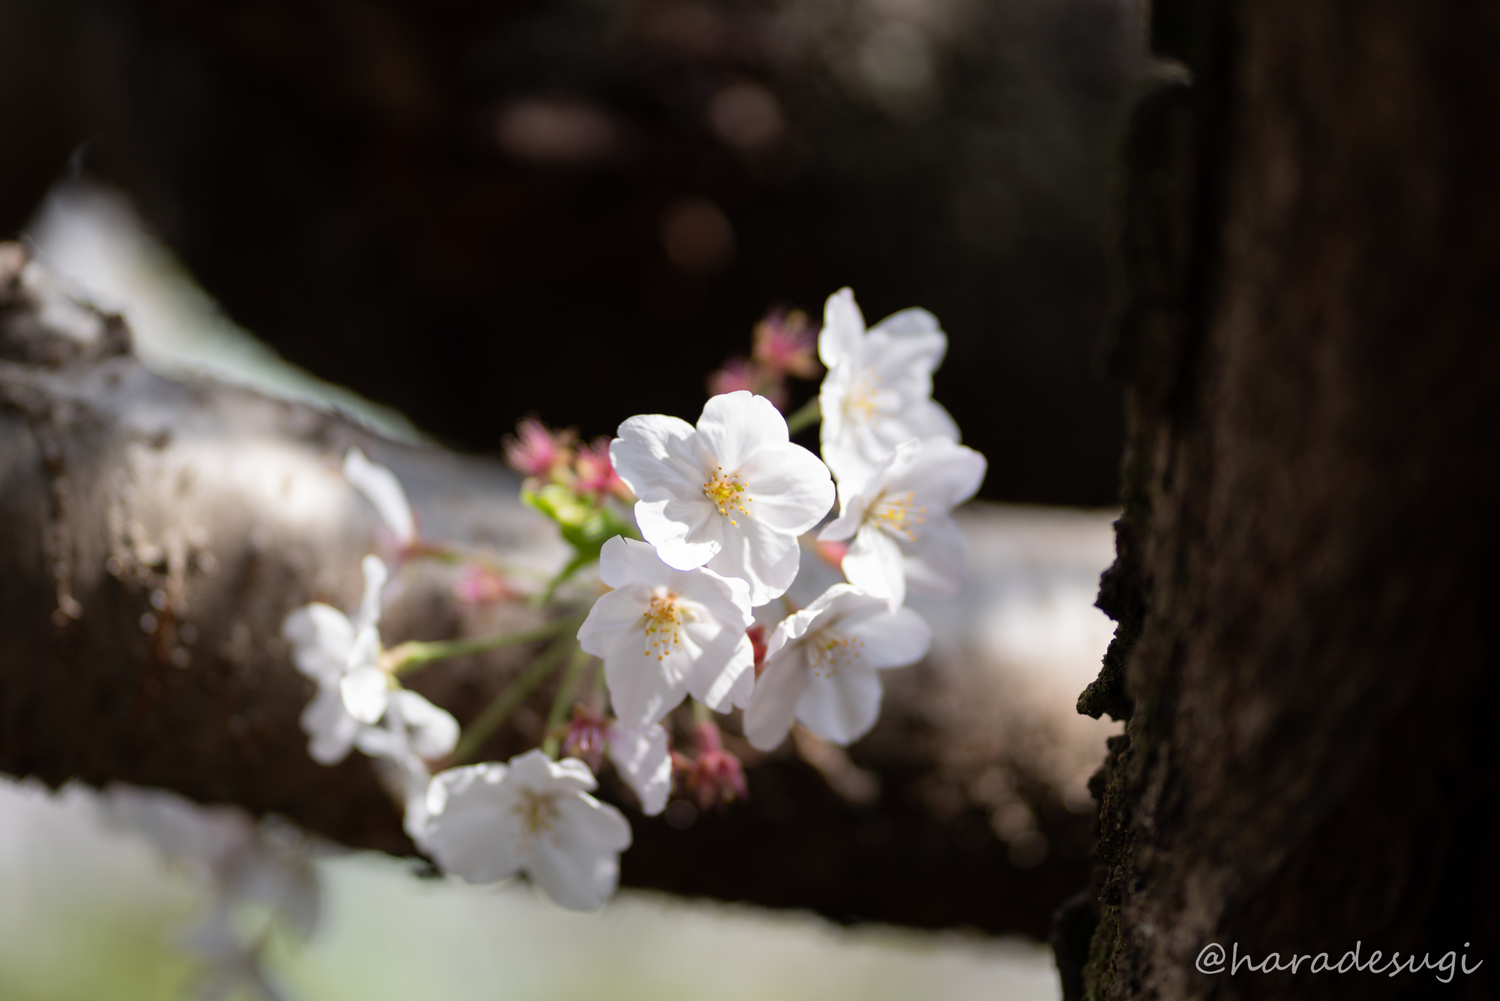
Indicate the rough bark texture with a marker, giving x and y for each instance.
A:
(1308, 652)
(154, 535)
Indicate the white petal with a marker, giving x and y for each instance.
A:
(735, 426)
(874, 564)
(941, 475)
(790, 489)
(843, 328)
(935, 563)
(847, 523)
(578, 865)
(366, 692)
(329, 727)
(921, 419)
(472, 827)
(644, 762)
(716, 676)
(764, 558)
(434, 731)
(382, 489)
(840, 708)
(321, 637)
(613, 619)
(891, 638)
(908, 323)
(625, 561)
(567, 775)
(686, 534)
(375, 577)
(777, 690)
(653, 457)
(640, 688)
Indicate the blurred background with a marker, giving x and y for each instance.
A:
(471, 210)
(447, 215)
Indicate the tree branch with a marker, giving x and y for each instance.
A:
(154, 535)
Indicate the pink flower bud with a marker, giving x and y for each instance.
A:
(537, 451)
(586, 738)
(480, 585)
(596, 474)
(786, 342)
(715, 777)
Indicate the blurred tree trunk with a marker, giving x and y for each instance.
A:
(1308, 651)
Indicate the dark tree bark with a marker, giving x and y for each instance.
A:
(154, 535)
(1308, 651)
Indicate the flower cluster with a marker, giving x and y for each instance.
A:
(721, 511)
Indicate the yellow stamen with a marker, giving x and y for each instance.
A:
(898, 516)
(538, 814)
(663, 623)
(727, 493)
(862, 398)
(827, 651)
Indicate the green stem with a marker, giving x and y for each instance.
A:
(804, 416)
(478, 731)
(412, 655)
(564, 700)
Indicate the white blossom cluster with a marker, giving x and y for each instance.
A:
(723, 509)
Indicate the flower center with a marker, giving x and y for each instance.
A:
(827, 651)
(537, 813)
(727, 493)
(663, 621)
(864, 397)
(898, 516)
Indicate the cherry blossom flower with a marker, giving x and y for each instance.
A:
(536, 451)
(488, 822)
(731, 494)
(821, 666)
(665, 634)
(714, 776)
(903, 532)
(384, 491)
(639, 755)
(343, 657)
(878, 391)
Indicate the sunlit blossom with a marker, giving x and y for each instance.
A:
(821, 666)
(665, 634)
(534, 816)
(731, 494)
(904, 534)
(878, 391)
